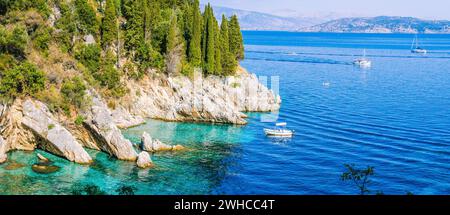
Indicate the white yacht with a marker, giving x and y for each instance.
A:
(363, 62)
(415, 48)
(279, 131)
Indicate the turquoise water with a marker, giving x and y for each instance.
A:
(394, 116)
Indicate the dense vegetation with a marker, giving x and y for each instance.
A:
(102, 43)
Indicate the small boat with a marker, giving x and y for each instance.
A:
(415, 48)
(363, 62)
(279, 131)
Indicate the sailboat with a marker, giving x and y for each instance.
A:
(415, 48)
(363, 62)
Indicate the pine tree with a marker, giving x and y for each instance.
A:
(195, 43)
(109, 24)
(236, 41)
(228, 60)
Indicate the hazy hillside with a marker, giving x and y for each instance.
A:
(382, 24)
(251, 20)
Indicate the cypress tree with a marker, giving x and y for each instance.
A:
(236, 41)
(195, 52)
(228, 61)
(218, 48)
(134, 34)
(210, 65)
(174, 52)
(86, 16)
(109, 24)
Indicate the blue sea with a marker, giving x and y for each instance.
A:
(394, 116)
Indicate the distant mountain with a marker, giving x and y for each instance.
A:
(251, 20)
(381, 24)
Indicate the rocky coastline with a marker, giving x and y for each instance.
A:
(27, 124)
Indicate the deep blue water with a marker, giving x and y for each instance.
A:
(394, 116)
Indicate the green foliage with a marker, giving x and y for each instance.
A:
(51, 126)
(14, 42)
(89, 56)
(42, 37)
(194, 51)
(209, 39)
(109, 24)
(86, 17)
(236, 41)
(74, 92)
(174, 52)
(229, 62)
(79, 120)
(7, 61)
(22, 5)
(67, 26)
(359, 177)
(147, 57)
(22, 79)
(134, 31)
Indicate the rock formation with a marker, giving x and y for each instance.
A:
(109, 137)
(144, 160)
(153, 145)
(54, 137)
(3, 156)
(211, 99)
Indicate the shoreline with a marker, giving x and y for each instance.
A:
(27, 123)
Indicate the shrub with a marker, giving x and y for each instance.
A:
(14, 42)
(79, 120)
(73, 92)
(41, 38)
(24, 79)
(89, 56)
(86, 17)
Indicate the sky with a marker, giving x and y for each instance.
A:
(427, 9)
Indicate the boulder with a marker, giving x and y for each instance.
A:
(144, 160)
(159, 146)
(42, 159)
(108, 136)
(54, 137)
(3, 156)
(44, 169)
(89, 39)
(146, 142)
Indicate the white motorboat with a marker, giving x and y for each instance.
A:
(415, 48)
(279, 131)
(363, 62)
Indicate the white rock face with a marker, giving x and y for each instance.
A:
(211, 99)
(3, 156)
(56, 139)
(100, 123)
(123, 118)
(144, 160)
(146, 142)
